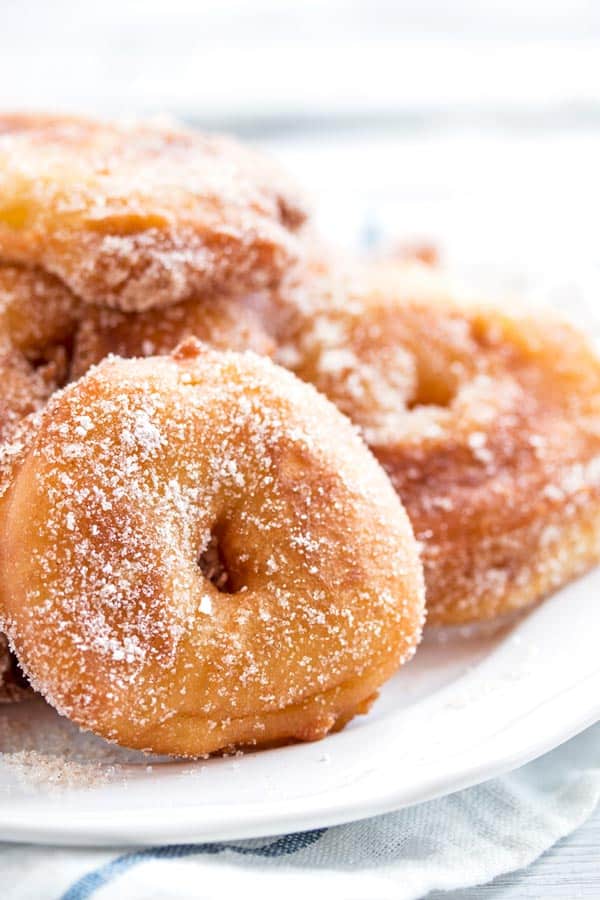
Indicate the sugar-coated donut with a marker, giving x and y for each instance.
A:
(198, 551)
(140, 215)
(226, 323)
(334, 332)
(487, 421)
(38, 318)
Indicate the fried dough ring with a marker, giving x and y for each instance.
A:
(198, 551)
(139, 216)
(488, 423)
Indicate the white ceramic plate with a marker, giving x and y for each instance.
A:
(470, 706)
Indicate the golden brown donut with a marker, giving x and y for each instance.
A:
(198, 551)
(226, 323)
(38, 318)
(135, 216)
(40, 328)
(487, 421)
(332, 331)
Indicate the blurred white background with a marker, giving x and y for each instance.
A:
(474, 123)
(252, 61)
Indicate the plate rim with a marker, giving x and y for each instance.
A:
(186, 825)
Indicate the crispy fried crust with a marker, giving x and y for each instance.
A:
(139, 216)
(205, 554)
(38, 319)
(487, 421)
(226, 323)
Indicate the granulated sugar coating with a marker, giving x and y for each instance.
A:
(44, 752)
(226, 323)
(55, 773)
(487, 421)
(139, 216)
(198, 551)
(38, 318)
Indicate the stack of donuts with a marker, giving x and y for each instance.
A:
(235, 470)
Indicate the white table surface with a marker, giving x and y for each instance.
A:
(253, 60)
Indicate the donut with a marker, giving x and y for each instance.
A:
(487, 421)
(226, 323)
(334, 332)
(198, 552)
(38, 318)
(140, 215)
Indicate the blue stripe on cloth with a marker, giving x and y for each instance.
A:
(284, 846)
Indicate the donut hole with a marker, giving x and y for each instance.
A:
(53, 363)
(434, 387)
(16, 676)
(445, 356)
(214, 565)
